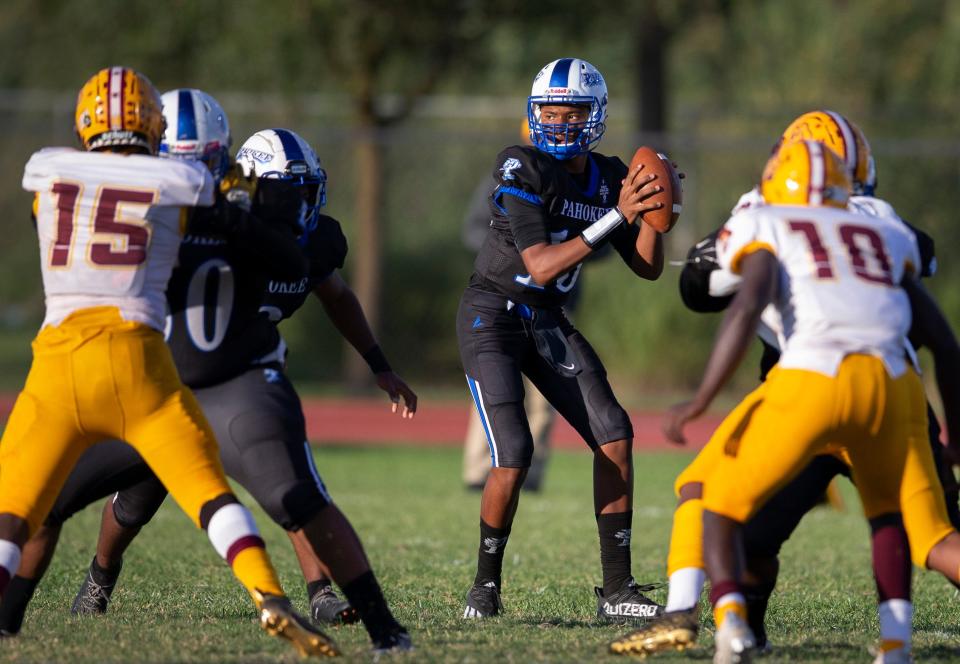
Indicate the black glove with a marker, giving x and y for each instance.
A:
(280, 202)
(695, 277)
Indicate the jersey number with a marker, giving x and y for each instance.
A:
(209, 304)
(868, 257)
(104, 221)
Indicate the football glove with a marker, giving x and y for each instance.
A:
(238, 188)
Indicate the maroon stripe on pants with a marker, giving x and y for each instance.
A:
(244, 542)
(4, 579)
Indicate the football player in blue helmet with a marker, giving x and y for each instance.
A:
(283, 155)
(567, 82)
(197, 129)
(556, 203)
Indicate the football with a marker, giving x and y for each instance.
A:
(671, 196)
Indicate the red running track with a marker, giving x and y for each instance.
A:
(369, 421)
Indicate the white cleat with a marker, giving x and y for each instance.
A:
(734, 641)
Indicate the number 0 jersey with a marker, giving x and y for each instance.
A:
(538, 200)
(839, 281)
(215, 329)
(109, 227)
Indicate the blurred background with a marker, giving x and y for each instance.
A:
(408, 102)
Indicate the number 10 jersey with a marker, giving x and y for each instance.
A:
(839, 281)
(109, 227)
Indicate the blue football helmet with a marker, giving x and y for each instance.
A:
(197, 128)
(283, 154)
(568, 81)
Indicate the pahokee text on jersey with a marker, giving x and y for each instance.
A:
(538, 200)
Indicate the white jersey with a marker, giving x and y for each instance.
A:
(839, 277)
(109, 227)
(724, 282)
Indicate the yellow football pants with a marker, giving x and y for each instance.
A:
(803, 413)
(921, 498)
(94, 377)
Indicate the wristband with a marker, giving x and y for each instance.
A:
(602, 227)
(376, 360)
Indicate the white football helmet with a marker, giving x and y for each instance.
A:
(568, 81)
(283, 154)
(197, 128)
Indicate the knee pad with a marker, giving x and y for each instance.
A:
(134, 507)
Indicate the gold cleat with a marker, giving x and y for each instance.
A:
(279, 619)
(671, 631)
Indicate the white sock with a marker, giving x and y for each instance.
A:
(896, 621)
(9, 557)
(685, 587)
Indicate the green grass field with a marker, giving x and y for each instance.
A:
(177, 601)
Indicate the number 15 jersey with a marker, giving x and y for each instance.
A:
(109, 227)
(839, 281)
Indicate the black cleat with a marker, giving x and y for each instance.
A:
(93, 598)
(628, 604)
(483, 601)
(395, 642)
(328, 608)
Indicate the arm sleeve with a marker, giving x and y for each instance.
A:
(928, 254)
(328, 248)
(518, 197)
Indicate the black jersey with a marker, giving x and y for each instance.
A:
(537, 200)
(325, 249)
(215, 329)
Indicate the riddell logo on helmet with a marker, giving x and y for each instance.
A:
(559, 91)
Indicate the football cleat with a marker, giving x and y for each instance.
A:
(93, 598)
(806, 173)
(278, 618)
(676, 630)
(328, 608)
(628, 604)
(394, 642)
(733, 641)
(483, 601)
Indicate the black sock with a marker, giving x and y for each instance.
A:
(104, 577)
(313, 587)
(365, 596)
(493, 542)
(15, 600)
(757, 598)
(614, 549)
